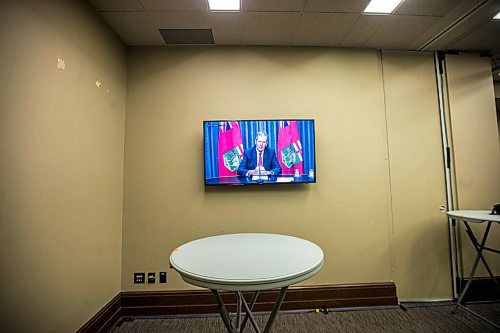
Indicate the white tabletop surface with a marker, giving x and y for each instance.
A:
(247, 262)
(473, 215)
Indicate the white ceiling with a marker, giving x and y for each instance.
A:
(426, 25)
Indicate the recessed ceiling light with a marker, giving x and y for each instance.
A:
(224, 5)
(497, 16)
(381, 6)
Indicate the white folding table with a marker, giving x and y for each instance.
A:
(247, 262)
(476, 216)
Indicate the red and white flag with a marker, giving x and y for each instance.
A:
(290, 148)
(230, 148)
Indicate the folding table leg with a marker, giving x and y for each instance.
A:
(479, 256)
(248, 310)
(240, 301)
(223, 311)
(478, 247)
(249, 314)
(238, 311)
(277, 305)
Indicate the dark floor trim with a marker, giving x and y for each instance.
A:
(105, 319)
(200, 301)
(190, 302)
(297, 298)
(481, 289)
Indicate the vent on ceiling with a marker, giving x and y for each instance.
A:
(187, 36)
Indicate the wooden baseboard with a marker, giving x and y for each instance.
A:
(105, 319)
(297, 298)
(189, 302)
(481, 289)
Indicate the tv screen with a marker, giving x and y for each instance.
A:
(241, 152)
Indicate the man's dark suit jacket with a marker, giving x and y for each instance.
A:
(249, 161)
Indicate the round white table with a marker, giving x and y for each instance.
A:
(247, 262)
(474, 216)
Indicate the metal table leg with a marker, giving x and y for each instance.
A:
(223, 311)
(277, 306)
(249, 311)
(481, 247)
(241, 302)
(479, 256)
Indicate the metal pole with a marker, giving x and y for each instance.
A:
(223, 311)
(439, 58)
(249, 313)
(277, 306)
(249, 310)
(238, 311)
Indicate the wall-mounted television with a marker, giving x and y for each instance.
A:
(243, 152)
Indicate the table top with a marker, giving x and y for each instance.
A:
(247, 262)
(473, 215)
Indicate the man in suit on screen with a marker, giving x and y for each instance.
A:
(259, 160)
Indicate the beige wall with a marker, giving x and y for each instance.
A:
(475, 134)
(377, 163)
(475, 142)
(171, 91)
(61, 165)
(420, 249)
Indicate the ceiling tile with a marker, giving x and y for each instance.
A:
(273, 6)
(398, 32)
(323, 29)
(416, 25)
(464, 19)
(180, 20)
(134, 28)
(338, 6)
(117, 5)
(428, 7)
(485, 37)
(175, 5)
(254, 28)
(363, 30)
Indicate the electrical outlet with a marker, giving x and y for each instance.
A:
(151, 277)
(163, 277)
(139, 277)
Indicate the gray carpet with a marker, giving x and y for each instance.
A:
(413, 317)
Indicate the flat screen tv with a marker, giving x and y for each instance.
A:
(244, 152)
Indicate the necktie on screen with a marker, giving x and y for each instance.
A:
(260, 159)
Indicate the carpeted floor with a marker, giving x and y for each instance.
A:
(411, 317)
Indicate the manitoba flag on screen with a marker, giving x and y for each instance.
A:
(290, 148)
(230, 148)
